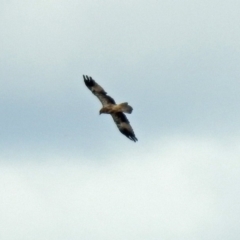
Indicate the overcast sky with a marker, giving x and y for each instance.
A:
(68, 173)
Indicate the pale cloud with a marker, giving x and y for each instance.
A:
(178, 188)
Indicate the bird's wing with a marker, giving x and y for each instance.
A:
(98, 91)
(124, 125)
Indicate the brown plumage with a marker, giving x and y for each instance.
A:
(110, 107)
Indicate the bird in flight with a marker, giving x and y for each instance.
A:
(110, 107)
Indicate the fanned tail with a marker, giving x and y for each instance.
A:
(125, 107)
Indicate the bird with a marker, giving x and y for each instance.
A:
(109, 106)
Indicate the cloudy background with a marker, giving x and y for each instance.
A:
(67, 173)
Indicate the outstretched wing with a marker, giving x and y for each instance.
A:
(124, 125)
(98, 91)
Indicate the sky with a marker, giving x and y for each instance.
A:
(68, 173)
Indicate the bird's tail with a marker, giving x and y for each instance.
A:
(124, 107)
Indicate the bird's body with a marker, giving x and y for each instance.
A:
(110, 107)
(114, 108)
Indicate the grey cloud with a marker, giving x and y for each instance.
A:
(68, 173)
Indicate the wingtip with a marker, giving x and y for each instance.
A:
(88, 81)
(85, 77)
(134, 139)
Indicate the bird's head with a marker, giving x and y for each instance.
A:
(101, 111)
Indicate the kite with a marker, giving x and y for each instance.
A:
(110, 107)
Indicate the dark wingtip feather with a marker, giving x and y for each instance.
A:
(88, 81)
(133, 138)
(129, 135)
